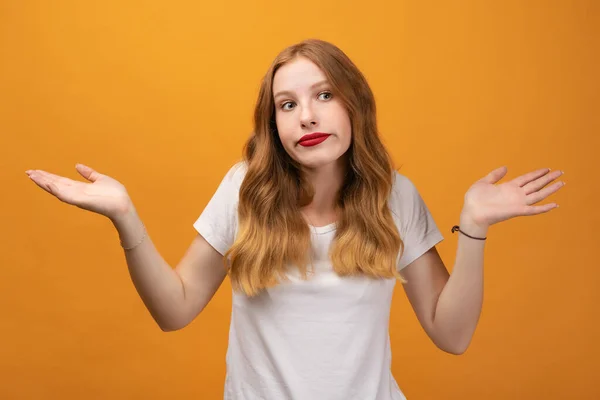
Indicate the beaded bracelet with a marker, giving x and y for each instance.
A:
(138, 243)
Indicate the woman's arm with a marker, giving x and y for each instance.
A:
(174, 297)
(448, 306)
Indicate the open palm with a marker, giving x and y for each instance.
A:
(488, 203)
(104, 195)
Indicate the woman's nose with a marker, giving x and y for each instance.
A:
(308, 118)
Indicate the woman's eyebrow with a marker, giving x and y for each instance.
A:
(287, 92)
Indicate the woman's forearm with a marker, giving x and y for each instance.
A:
(159, 286)
(460, 302)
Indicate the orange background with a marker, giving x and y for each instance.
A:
(160, 96)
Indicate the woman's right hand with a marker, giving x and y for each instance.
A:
(104, 195)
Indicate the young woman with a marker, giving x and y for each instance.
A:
(313, 227)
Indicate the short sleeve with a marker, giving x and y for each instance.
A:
(416, 225)
(218, 221)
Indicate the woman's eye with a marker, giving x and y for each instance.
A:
(289, 105)
(283, 106)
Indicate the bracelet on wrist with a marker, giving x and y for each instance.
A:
(457, 228)
(138, 243)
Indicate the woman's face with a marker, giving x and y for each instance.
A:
(305, 104)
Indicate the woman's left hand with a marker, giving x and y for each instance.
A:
(487, 203)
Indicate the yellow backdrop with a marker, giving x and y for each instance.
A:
(160, 95)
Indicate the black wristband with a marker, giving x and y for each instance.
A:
(457, 228)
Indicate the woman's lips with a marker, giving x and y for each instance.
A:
(313, 142)
(311, 136)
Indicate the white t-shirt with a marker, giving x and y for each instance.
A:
(322, 339)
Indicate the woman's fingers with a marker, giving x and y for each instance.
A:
(87, 172)
(539, 183)
(47, 183)
(40, 181)
(56, 179)
(51, 183)
(530, 176)
(541, 194)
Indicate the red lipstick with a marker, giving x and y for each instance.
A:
(313, 139)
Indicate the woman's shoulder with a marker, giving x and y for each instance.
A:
(405, 199)
(402, 186)
(235, 174)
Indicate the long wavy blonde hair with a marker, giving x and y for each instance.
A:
(272, 231)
